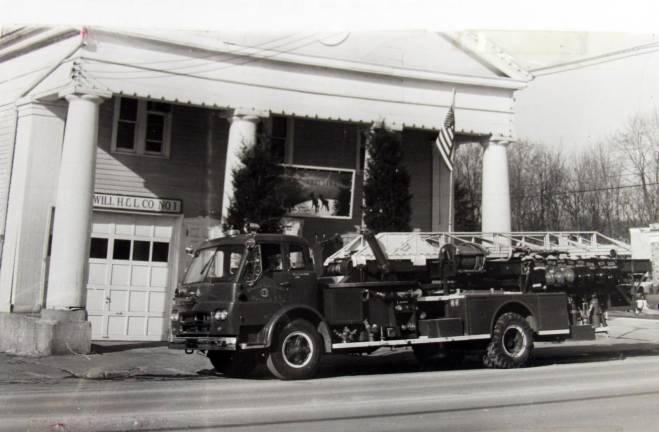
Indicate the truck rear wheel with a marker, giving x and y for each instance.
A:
(232, 363)
(512, 343)
(295, 354)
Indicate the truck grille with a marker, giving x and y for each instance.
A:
(194, 323)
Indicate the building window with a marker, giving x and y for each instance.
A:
(280, 130)
(141, 127)
(278, 138)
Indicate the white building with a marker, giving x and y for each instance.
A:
(645, 245)
(116, 149)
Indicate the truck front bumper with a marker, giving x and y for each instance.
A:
(222, 343)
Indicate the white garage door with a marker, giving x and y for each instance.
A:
(128, 284)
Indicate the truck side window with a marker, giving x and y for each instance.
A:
(272, 257)
(296, 258)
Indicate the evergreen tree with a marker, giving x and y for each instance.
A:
(258, 197)
(386, 189)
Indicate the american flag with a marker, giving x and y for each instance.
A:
(445, 138)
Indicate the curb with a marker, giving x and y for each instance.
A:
(99, 373)
(632, 315)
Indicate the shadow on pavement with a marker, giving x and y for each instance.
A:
(402, 362)
(110, 347)
(592, 353)
(393, 362)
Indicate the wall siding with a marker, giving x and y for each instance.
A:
(417, 158)
(333, 145)
(184, 175)
(325, 143)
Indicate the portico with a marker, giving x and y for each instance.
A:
(105, 125)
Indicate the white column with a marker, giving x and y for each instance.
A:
(242, 134)
(495, 208)
(73, 205)
(39, 133)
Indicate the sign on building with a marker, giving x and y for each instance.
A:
(137, 203)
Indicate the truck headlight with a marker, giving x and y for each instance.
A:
(221, 315)
(174, 316)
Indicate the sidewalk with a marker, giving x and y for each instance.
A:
(119, 360)
(107, 361)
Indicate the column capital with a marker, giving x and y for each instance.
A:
(252, 115)
(41, 108)
(76, 92)
(501, 140)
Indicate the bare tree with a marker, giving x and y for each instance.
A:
(468, 172)
(593, 200)
(537, 177)
(638, 143)
(609, 187)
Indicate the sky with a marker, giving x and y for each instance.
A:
(572, 107)
(583, 102)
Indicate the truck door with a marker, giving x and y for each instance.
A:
(275, 281)
(267, 284)
(303, 283)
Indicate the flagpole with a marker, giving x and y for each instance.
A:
(450, 182)
(445, 143)
(450, 202)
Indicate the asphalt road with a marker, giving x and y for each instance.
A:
(564, 390)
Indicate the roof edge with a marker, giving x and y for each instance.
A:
(33, 38)
(512, 83)
(487, 51)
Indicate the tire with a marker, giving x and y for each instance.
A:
(295, 352)
(232, 363)
(511, 345)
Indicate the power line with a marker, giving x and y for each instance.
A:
(216, 54)
(251, 57)
(33, 71)
(596, 60)
(550, 194)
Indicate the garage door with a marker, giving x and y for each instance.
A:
(128, 283)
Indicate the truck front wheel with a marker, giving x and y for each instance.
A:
(512, 343)
(233, 363)
(295, 354)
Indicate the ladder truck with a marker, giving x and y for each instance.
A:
(250, 298)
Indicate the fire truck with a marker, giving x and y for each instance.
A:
(261, 298)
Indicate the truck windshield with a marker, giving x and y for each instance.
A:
(216, 264)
